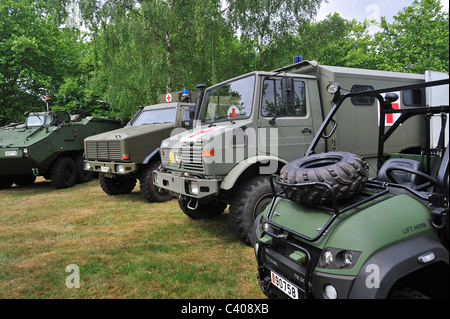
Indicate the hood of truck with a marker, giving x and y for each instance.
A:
(218, 138)
(128, 132)
(137, 142)
(204, 134)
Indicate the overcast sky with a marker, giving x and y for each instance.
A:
(362, 9)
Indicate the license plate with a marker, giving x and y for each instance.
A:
(11, 153)
(104, 169)
(284, 285)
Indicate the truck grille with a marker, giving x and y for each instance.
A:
(104, 150)
(191, 156)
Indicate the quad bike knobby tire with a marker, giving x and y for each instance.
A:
(347, 174)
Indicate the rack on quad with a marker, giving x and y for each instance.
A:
(333, 232)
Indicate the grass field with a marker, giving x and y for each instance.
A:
(123, 246)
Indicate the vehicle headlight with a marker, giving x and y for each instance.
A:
(25, 152)
(330, 292)
(178, 159)
(335, 258)
(327, 257)
(193, 187)
(333, 87)
(175, 158)
(165, 144)
(120, 168)
(87, 166)
(347, 258)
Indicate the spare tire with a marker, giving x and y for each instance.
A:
(346, 173)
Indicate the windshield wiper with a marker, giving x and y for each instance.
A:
(225, 117)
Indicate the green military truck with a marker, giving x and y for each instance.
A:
(333, 232)
(123, 156)
(48, 144)
(250, 126)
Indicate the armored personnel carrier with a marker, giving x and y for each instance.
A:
(48, 144)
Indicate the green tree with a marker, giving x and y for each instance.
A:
(35, 55)
(416, 41)
(147, 48)
(263, 24)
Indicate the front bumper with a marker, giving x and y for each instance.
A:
(110, 168)
(183, 185)
(14, 162)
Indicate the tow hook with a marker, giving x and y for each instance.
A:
(263, 283)
(192, 207)
(35, 171)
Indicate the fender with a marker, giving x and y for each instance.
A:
(150, 156)
(231, 178)
(381, 271)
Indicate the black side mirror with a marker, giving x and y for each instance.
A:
(391, 97)
(191, 116)
(287, 91)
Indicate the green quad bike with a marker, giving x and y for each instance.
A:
(332, 232)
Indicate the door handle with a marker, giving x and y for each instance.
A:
(306, 130)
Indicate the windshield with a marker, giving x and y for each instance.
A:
(157, 116)
(230, 101)
(38, 120)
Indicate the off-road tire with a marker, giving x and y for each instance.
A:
(63, 172)
(83, 176)
(405, 293)
(347, 174)
(118, 185)
(203, 211)
(149, 190)
(24, 180)
(6, 182)
(249, 200)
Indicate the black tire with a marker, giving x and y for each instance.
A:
(203, 211)
(149, 190)
(63, 172)
(83, 176)
(6, 182)
(118, 185)
(254, 237)
(249, 200)
(405, 293)
(24, 180)
(345, 172)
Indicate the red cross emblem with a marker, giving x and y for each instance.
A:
(168, 97)
(233, 113)
(390, 116)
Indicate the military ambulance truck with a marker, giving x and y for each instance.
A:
(48, 144)
(250, 126)
(123, 156)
